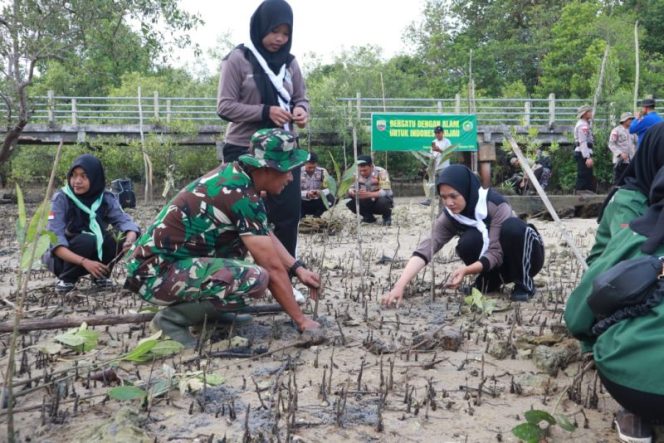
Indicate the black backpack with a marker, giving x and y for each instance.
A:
(123, 190)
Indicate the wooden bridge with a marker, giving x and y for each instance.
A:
(193, 121)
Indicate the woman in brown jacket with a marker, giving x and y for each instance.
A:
(493, 244)
(261, 86)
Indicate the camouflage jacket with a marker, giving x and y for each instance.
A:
(205, 219)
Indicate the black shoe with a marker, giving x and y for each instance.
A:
(63, 287)
(387, 221)
(103, 283)
(521, 294)
(369, 220)
(631, 428)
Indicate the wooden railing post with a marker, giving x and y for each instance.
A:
(168, 110)
(552, 109)
(74, 112)
(156, 105)
(359, 105)
(51, 107)
(457, 104)
(526, 109)
(439, 107)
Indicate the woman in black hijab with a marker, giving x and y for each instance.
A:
(80, 214)
(493, 244)
(261, 86)
(630, 200)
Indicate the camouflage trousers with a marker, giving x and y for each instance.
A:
(224, 280)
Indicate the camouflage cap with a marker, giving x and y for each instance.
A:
(274, 148)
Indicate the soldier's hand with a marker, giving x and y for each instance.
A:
(307, 324)
(589, 162)
(308, 278)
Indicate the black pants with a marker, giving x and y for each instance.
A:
(84, 245)
(618, 171)
(315, 207)
(523, 255)
(649, 407)
(369, 206)
(283, 210)
(584, 174)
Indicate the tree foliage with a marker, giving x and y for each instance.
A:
(92, 39)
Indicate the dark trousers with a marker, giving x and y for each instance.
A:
(523, 255)
(584, 174)
(283, 210)
(315, 207)
(84, 245)
(369, 206)
(618, 170)
(649, 407)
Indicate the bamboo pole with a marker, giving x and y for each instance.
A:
(23, 279)
(545, 199)
(39, 324)
(600, 80)
(357, 207)
(636, 58)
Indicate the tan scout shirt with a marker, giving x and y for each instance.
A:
(621, 141)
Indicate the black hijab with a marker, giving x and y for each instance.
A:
(464, 181)
(269, 15)
(79, 220)
(651, 224)
(647, 162)
(643, 168)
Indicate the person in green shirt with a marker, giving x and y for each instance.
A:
(628, 355)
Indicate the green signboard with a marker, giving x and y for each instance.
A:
(414, 132)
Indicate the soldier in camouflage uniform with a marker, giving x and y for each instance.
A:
(192, 258)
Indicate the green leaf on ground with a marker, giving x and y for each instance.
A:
(165, 348)
(564, 423)
(125, 393)
(535, 416)
(528, 432)
(139, 353)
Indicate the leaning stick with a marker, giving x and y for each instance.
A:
(636, 60)
(102, 320)
(531, 176)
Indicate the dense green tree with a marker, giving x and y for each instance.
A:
(35, 32)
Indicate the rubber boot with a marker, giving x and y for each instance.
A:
(175, 320)
(221, 319)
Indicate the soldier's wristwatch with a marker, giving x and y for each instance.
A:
(292, 270)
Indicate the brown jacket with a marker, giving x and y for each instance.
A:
(240, 102)
(444, 230)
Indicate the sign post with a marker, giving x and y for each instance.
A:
(414, 132)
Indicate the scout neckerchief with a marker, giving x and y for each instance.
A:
(277, 80)
(95, 229)
(481, 211)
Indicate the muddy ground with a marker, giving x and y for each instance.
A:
(379, 377)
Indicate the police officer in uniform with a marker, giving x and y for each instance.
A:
(583, 139)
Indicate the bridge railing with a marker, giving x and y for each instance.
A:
(78, 111)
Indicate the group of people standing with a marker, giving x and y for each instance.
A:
(192, 259)
(624, 139)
